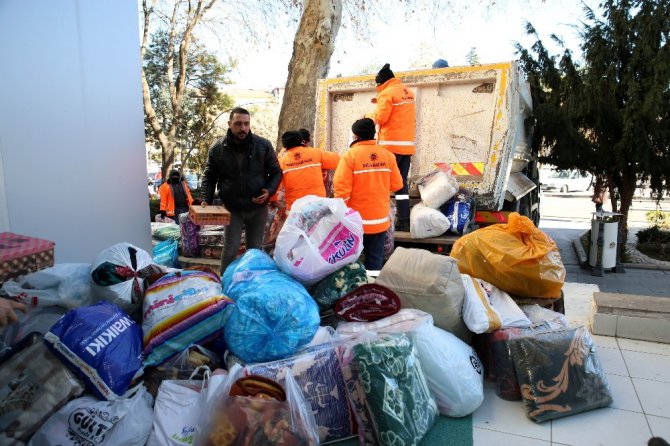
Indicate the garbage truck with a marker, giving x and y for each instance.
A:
(472, 118)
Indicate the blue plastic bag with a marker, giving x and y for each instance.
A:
(241, 273)
(165, 253)
(458, 214)
(101, 344)
(274, 316)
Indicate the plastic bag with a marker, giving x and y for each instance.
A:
(538, 315)
(515, 257)
(437, 187)
(390, 232)
(165, 254)
(428, 282)
(454, 372)
(118, 275)
(88, 421)
(181, 309)
(33, 385)
(367, 303)
(273, 316)
(504, 306)
(427, 222)
(388, 389)
(559, 374)
(405, 320)
(181, 367)
(177, 412)
(64, 284)
(102, 345)
(246, 420)
(478, 313)
(320, 236)
(38, 320)
(338, 284)
(458, 212)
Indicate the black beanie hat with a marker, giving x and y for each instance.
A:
(174, 173)
(364, 128)
(291, 139)
(384, 74)
(305, 135)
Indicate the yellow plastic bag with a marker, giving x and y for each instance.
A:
(515, 257)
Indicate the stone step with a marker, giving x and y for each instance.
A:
(630, 316)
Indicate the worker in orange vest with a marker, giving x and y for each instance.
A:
(302, 168)
(364, 179)
(175, 196)
(394, 113)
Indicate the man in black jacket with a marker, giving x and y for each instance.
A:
(244, 166)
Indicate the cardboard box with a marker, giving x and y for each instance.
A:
(20, 255)
(209, 215)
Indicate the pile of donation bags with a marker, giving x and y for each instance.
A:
(276, 352)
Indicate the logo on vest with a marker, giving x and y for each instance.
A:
(88, 426)
(373, 157)
(296, 155)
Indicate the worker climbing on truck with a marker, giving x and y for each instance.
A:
(394, 113)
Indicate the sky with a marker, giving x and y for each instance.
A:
(404, 43)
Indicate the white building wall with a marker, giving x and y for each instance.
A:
(72, 154)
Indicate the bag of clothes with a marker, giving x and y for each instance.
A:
(339, 283)
(427, 222)
(165, 254)
(320, 236)
(102, 345)
(189, 236)
(437, 187)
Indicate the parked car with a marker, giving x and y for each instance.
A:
(565, 180)
(192, 180)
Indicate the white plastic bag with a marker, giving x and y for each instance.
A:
(320, 236)
(89, 421)
(64, 284)
(437, 187)
(478, 313)
(510, 313)
(177, 411)
(134, 263)
(427, 222)
(453, 371)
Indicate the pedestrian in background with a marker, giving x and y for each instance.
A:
(175, 196)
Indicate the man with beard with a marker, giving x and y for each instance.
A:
(245, 169)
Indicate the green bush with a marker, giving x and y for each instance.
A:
(653, 235)
(658, 218)
(154, 207)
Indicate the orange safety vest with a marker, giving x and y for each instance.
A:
(302, 168)
(364, 179)
(395, 115)
(167, 200)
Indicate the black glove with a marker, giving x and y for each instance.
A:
(163, 214)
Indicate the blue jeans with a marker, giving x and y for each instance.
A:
(402, 203)
(253, 223)
(373, 248)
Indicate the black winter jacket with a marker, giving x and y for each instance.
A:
(237, 185)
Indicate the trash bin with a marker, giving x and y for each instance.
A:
(609, 222)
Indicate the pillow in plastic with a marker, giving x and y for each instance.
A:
(165, 254)
(458, 215)
(243, 271)
(181, 309)
(273, 316)
(320, 236)
(89, 421)
(437, 187)
(118, 275)
(101, 344)
(427, 222)
(189, 236)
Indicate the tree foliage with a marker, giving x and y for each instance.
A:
(202, 101)
(610, 113)
(472, 57)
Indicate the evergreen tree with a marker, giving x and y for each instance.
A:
(472, 57)
(610, 113)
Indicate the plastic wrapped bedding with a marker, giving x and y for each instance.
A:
(273, 316)
(559, 374)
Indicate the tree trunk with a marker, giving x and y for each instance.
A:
(626, 192)
(312, 48)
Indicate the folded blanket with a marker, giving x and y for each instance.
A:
(368, 303)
